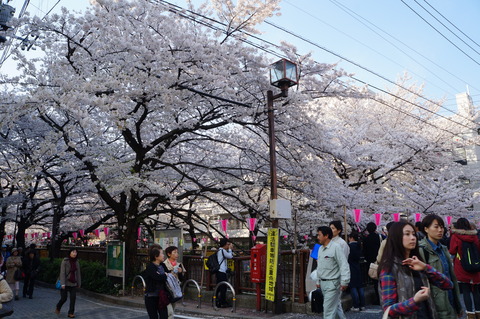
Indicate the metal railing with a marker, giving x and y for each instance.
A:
(234, 299)
(199, 290)
(133, 284)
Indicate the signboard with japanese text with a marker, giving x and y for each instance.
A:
(230, 262)
(272, 261)
(170, 237)
(115, 258)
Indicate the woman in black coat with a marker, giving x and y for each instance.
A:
(155, 280)
(356, 286)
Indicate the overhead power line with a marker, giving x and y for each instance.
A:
(7, 52)
(451, 42)
(376, 74)
(443, 24)
(179, 10)
(359, 18)
(451, 23)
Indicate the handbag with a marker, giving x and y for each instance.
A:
(385, 314)
(17, 275)
(163, 300)
(373, 271)
(58, 285)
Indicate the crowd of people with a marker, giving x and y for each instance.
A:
(423, 269)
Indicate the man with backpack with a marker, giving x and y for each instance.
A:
(223, 254)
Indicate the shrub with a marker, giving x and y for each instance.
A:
(93, 275)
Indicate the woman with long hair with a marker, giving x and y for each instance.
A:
(468, 281)
(447, 302)
(70, 279)
(404, 278)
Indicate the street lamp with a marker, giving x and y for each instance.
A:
(283, 74)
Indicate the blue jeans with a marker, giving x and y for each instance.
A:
(358, 297)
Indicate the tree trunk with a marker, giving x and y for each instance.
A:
(20, 237)
(132, 263)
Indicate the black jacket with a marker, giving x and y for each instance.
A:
(371, 244)
(154, 279)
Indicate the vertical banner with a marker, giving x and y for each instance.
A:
(357, 215)
(449, 220)
(378, 219)
(418, 217)
(396, 217)
(272, 261)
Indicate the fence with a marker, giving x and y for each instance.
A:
(240, 277)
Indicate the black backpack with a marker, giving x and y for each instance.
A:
(470, 259)
(212, 263)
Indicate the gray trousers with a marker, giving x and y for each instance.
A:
(332, 306)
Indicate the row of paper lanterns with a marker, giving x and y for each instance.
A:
(357, 215)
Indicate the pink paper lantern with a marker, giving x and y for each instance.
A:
(75, 235)
(223, 224)
(418, 217)
(396, 217)
(285, 237)
(254, 238)
(49, 234)
(449, 220)
(105, 231)
(82, 232)
(139, 232)
(97, 232)
(32, 235)
(357, 214)
(194, 239)
(26, 235)
(36, 235)
(305, 237)
(251, 223)
(378, 218)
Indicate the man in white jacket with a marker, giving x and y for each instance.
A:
(333, 273)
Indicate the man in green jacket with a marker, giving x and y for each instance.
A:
(447, 302)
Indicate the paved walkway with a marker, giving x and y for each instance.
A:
(97, 306)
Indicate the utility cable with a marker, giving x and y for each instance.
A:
(456, 46)
(468, 45)
(7, 52)
(358, 17)
(386, 92)
(451, 23)
(372, 72)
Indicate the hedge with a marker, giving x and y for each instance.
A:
(93, 275)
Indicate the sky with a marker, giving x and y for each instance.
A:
(387, 38)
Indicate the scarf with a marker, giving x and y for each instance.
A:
(73, 270)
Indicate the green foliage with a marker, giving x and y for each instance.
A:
(93, 275)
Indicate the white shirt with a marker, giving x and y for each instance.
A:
(222, 256)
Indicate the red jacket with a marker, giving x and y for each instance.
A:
(459, 236)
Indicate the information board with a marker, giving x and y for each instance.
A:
(115, 258)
